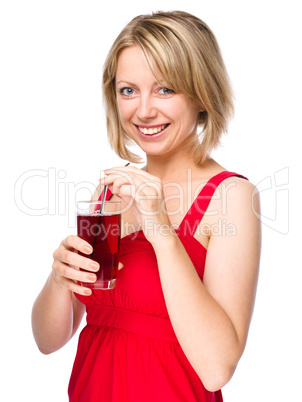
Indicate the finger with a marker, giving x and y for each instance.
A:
(116, 187)
(141, 192)
(116, 184)
(139, 180)
(73, 286)
(76, 243)
(124, 178)
(133, 170)
(75, 260)
(128, 191)
(145, 185)
(123, 185)
(62, 271)
(114, 175)
(120, 265)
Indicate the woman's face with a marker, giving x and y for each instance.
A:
(154, 116)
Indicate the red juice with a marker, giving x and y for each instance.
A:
(102, 232)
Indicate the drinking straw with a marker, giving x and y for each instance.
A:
(103, 199)
(100, 210)
(104, 195)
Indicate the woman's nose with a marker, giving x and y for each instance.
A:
(146, 108)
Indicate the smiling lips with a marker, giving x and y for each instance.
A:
(151, 131)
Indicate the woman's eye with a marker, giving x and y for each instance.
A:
(126, 91)
(166, 91)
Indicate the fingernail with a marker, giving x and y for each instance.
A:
(87, 292)
(88, 249)
(91, 277)
(95, 266)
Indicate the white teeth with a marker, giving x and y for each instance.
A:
(151, 131)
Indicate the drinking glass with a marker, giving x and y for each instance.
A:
(99, 223)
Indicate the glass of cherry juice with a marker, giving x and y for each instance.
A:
(99, 223)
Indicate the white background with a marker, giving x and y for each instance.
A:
(53, 146)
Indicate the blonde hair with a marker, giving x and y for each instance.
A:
(184, 51)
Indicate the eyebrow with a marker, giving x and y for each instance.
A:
(132, 84)
(124, 82)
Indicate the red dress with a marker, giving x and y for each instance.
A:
(128, 351)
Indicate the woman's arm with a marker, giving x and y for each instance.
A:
(56, 316)
(57, 313)
(211, 319)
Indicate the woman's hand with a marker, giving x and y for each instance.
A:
(67, 264)
(144, 194)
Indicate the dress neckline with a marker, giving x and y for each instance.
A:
(205, 195)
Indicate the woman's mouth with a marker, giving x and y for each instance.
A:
(152, 130)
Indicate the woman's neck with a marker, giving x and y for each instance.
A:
(168, 168)
(180, 168)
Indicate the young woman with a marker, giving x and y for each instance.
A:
(176, 325)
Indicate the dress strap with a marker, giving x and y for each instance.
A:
(196, 212)
(198, 208)
(108, 195)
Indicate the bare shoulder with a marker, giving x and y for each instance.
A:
(240, 195)
(240, 184)
(234, 195)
